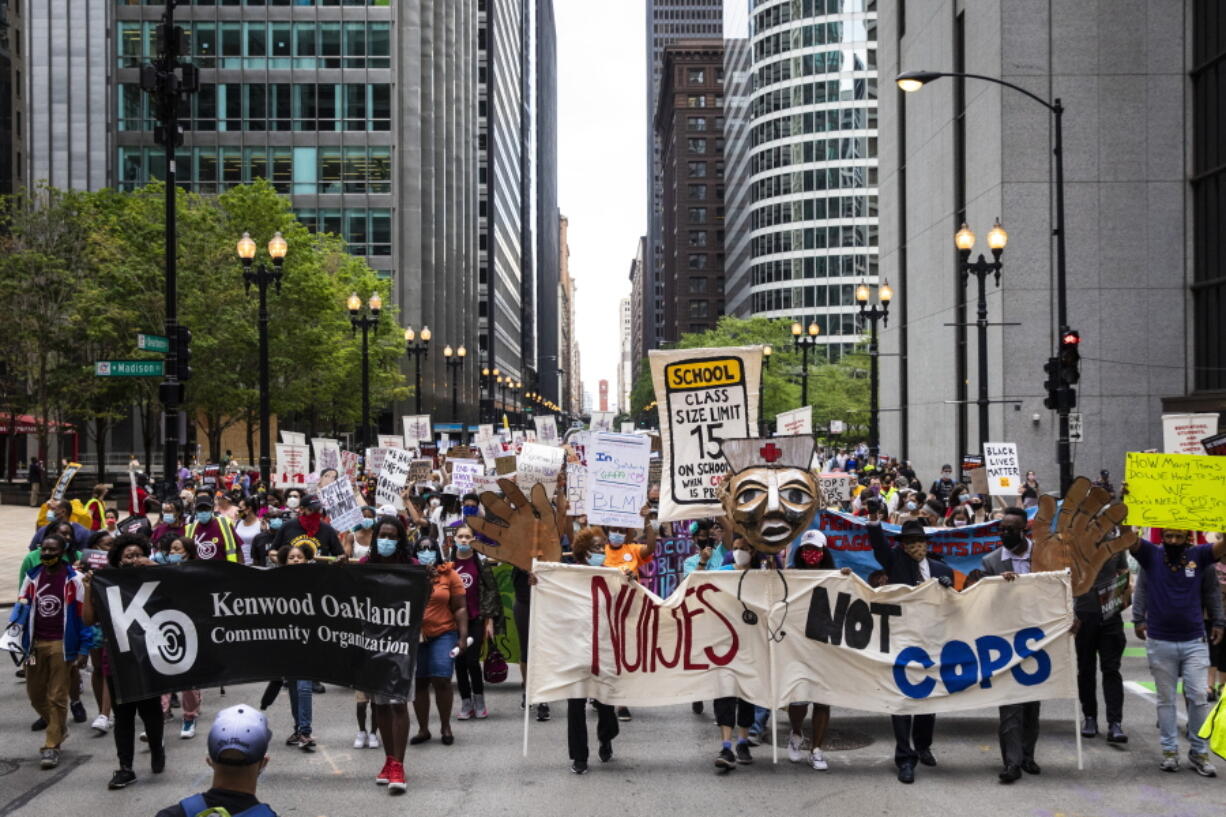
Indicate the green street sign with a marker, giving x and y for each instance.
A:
(153, 343)
(128, 368)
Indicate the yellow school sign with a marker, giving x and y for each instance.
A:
(1186, 491)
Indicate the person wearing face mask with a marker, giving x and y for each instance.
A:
(1019, 722)
(444, 632)
(910, 564)
(357, 542)
(710, 553)
(213, 535)
(1169, 617)
(247, 528)
(262, 545)
(61, 512)
(170, 522)
(175, 550)
(960, 518)
(732, 712)
(54, 634)
(942, 487)
(310, 528)
(812, 554)
(1030, 490)
(483, 601)
(110, 522)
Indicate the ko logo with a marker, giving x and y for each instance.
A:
(169, 636)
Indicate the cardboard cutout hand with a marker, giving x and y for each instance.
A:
(523, 529)
(1079, 541)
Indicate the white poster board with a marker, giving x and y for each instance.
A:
(617, 479)
(391, 441)
(292, 466)
(374, 459)
(602, 421)
(464, 475)
(392, 477)
(293, 437)
(539, 463)
(1182, 433)
(838, 427)
(417, 429)
(546, 429)
(796, 421)
(836, 487)
(1004, 471)
(576, 474)
(627, 426)
(338, 499)
(327, 454)
(485, 431)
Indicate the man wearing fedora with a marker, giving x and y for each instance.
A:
(909, 564)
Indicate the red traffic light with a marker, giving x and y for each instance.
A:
(1070, 337)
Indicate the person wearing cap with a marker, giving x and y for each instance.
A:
(910, 564)
(238, 753)
(213, 534)
(811, 554)
(942, 487)
(310, 528)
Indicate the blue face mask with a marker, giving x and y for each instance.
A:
(276, 522)
(204, 517)
(595, 559)
(159, 557)
(168, 518)
(368, 522)
(174, 558)
(463, 551)
(51, 516)
(386, 547)
(427, 557)
(617, 539)
(469, 510)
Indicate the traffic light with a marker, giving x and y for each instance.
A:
(1070, 356)
(1052, 384)
(183, 354)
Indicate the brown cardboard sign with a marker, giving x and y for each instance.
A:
(504, 465)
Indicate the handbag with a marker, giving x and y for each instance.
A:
(495, 670)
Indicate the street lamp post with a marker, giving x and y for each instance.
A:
(805, 342)
(503, 382)
(262, 276)
(515, 404)
(767, 351)
(879, 311)
(365, 323)
(489, 380)
(911, 81)
(418, 349)
(455, 360)
(981, 268)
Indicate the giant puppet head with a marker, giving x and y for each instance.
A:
(770, 494)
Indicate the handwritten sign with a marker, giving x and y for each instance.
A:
(836, 487)
(464, 474)
(602, 420)
(391, 441)
(417, 429)
(539, 463)
(292, 465)
(293, 437)
(342, 506)
(1184, 491)
(491, 450)
(420, 469)
(393, 477)
(61, 484)
(617, 479)
(546, 429)
(504, 465)
(796, 421)
(485, 431)
(576, 474)
(1004, 472)
(349, 464)
(1182, 433)
(327, 454)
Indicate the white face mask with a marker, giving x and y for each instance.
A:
(292, 502)
(741, 557)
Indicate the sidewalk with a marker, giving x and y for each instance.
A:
(16, 528)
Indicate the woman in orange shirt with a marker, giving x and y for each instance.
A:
(444, 627)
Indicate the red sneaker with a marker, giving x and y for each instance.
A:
(395, 777)
(383, 777)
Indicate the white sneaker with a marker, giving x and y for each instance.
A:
(1201, 764)
(466, 709)
(818, 761)
(359, 742)
(189, 729)
(101, 724)
(479, 710)
(372, 740)
(796, 748)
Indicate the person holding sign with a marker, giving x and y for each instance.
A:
(1100, 642)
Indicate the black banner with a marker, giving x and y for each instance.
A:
(204, 624)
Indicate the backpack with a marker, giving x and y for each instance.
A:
(195, 806)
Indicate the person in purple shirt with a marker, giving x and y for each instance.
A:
(1174, 633)
(170, 522)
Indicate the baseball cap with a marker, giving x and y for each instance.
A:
(387, 510)
(813, 538)
(242, 729)
(204, 501)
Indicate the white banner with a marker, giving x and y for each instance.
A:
(1004, 471)
(292, 467)
(602, 421)
(704, 396)
(796, 421)
(464, 474)
(391, 441)
(344, 512)
(327, 454)
(617, 479)
(901, 650)
(539, 463)
(546, 429)
(417, 429)
(293, 437)
(392, 477)
(1182, 433)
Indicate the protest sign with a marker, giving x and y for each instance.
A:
(1184, 491)
(392, 441)
(602, 421)
(464, 474)
(961, 548)
(344, 512)
(374, 460)
(627, 426)
(898, 650)
(838, 427)
(349, 464)
(616, 479)
(420, 469)
(61, 485)
(1113, 595)
(576, 474)
(546, 429)
(417, 429)
(483, 483)
(485, 431)
(836, 487)
(530, 436)
(704, 397)
(796, 421)
(491, 450)
(667, 568)
(209, 623)
(504, 465)
(538, 463)
(972, 467)
(95, 559)
(1215, 446)
(1182, 433)
(327, 454)
(293, 437)
(1004, 472)
(392, 478)
(460, 452)
(292, 465)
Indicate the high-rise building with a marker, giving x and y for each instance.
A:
(604, 395)
(801, 163)
(550, 362)
(1143, 161)
(640, 315)
(667, 22)
(569, 345)
(625, 374)
(689, 124)
(12, 96)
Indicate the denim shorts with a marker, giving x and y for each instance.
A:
(434, 655)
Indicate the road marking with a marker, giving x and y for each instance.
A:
(1140, 689)
(66, 769)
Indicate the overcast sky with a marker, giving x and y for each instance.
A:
(601, 165)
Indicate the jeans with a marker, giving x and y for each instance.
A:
(1100, 643)
(300, 705)
(1168, 661)
(761, 719)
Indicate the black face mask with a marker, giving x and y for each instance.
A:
(1173, 553)
(1011, 539)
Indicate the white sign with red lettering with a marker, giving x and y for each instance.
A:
(1182, 433)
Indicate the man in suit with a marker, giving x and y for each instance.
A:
(1019, 722)
(909, 564)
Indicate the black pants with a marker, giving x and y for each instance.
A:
(733, 712)
(912, 735)
(468, 675)
(150, 711)
(1019, 732)
(1100, 644)
(521, 611)
(607, 727)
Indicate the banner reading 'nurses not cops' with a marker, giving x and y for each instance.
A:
(901, 650)
(704, 396)
(205, 624)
